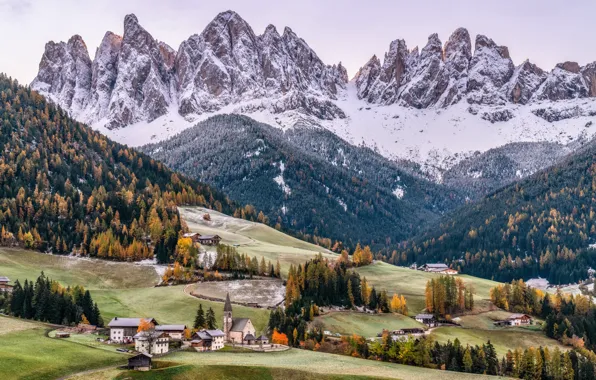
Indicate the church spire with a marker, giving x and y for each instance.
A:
(228, 305)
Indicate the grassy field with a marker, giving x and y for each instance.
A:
(219, 372)
(366, 325)
(412, 284)
(253, 239)
(93, 274)
(30, 354)
(503, 339)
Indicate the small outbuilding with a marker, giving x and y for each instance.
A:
(262, 340)
(249, 339)
(140, 362)
(427, 319)
(62, 334)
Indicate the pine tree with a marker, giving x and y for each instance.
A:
(210, 320)
(200, 321)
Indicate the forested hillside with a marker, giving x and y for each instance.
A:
(308, 180)
(541, 226)
(65, 188)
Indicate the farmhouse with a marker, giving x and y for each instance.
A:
(4, 284)
(437, 268)
(209, 239)
(152, 342)
(208, 340)
(427, 319)
(194, 236)
(404, 334)
(175, 332)
(515, 320)
(236, 329)
(123, 329)
(140, 362)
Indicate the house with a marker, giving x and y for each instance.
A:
(140, 362)
(435, 268)
(427, 319)
(4, 284)
(208, 340)
(236, 329)
(152, 342)
(194, 236)
(175, 332)
(123, 329)
(515, 320)
(411, 331)
(209, 239)
(449, 271)
(262, 340)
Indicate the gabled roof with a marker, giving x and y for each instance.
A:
(518, 316)
(215, 333)
(180, 328)
(238, 324)
(425, 316)
(191, 234)
(249, 337)
(228, 304)
(4, 279)
(203, 335)
(208, 237)
(143, 335)
(141, 354)
(129, 322)
(436, 266)
(262, 337)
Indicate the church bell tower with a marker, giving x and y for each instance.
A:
(227, 315)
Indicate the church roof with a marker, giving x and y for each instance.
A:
(228, 305)
(238, 324)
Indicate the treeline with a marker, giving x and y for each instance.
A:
(541, 226)
(447, 295)
(228, 259)
(569, 318)
(68, 189)
(48, 301)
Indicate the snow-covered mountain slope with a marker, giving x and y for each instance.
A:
(435, 106)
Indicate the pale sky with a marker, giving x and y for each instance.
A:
(546, 31)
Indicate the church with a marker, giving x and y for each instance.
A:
(237, 330)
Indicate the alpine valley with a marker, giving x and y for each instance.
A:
(374, 159)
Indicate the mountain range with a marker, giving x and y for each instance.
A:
(434, 106)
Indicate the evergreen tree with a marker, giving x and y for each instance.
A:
(210, 320)
(200, 321)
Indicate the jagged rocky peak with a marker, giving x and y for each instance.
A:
(572, 67)
(65, 73)
(490, 68)
(565, 81)
(366, 76)
(589, 74)
(526, 79)
(457, 54)
(104, 74)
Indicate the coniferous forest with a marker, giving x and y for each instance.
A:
(541, 226)
(65, 188)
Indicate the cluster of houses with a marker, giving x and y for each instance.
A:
(203, 239)
(157, 339)
(4, 284)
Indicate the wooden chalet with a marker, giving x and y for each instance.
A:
(4, 284)
(194, 236)
(209, 239)
(140, 362)
(516, 320)
(427, 319)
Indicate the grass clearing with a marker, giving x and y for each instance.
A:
(30, 354)
(367, 325)
(412, 283)
(319, 363)
(506, 338)
(10, 325)
(253, 239)
(92, 273)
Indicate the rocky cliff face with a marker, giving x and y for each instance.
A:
(441, 76)
(137, 78)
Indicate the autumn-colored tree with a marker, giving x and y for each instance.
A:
(145, 325)
(279, 338)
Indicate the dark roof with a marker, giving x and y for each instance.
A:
(203, 335)
(208, 237)
(142, 355)
(129, 322)
(238, 324)
(262, 337)
(249, 337)
(143, 335)
(228, 305)
(437, 266)
(170, 328)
